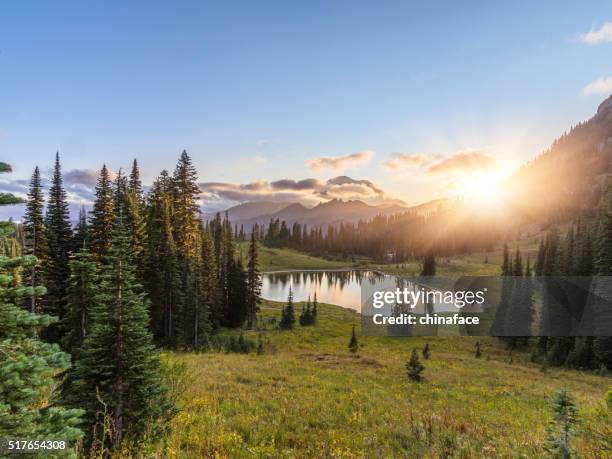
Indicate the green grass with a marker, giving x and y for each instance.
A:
(274, 259)
(308, 396)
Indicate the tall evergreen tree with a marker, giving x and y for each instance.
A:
(102, 215)
(81, 234)
(82, 290)
(28, 407)
(33, 228)
(58, 237)
(118, 365)
(253, 282)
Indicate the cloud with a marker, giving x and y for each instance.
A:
(340, 163)
(601, 35)
(87, 177)
(464, 161)
(599, 86)
(406, 160)
(310, 191)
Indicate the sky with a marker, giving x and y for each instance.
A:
(297, 100)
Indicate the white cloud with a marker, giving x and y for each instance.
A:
(406, 160)
(340, 163)
(599, 86)
(601, 35)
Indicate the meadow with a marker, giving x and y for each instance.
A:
(308, 396)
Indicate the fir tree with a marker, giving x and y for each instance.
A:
(81, 235)
(414, 367)
(429, 265)
(102, 215)
(353, 344)
(28, 406)
(314, 309)
(561, 429)
(58, 237)
(118, 365)
(426, 352)
(253, 283)
(82, 290)
(288, 314)
(33, 229)
(477, 351)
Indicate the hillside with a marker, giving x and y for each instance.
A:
(308, 396)
(573, 171)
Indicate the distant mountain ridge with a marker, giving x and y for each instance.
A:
(323, 214)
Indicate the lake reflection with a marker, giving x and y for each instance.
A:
(342, 288)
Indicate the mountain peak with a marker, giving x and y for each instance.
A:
(605, 106)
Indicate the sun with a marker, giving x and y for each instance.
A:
(484, 189)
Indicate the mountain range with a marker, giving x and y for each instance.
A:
(323, 214)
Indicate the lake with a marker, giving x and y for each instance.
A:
(342, 288)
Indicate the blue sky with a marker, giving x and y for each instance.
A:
(256, 90)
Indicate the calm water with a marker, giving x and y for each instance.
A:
(342, 288)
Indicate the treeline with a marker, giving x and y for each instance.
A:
(574, 270)
(396, 238)
(141, 268)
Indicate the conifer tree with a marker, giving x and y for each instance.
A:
(161, 267)
(28, 407)
(210, 280)
(82, 290)
(477, 351)
(33, 229)
(414, 367)
(118, 365)
(426, 352)
(429, 265)
(288, 314)
(58, 242)
(353, 344)
(81, 234)
(561, 429)
(102, 215)
(135, 220)
(314, 309)
(253, 283)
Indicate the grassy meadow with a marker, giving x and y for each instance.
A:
(308, 396)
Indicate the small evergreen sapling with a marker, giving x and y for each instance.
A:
(561, 428)
(477, 351)
(353, 344)
(414, 367)
(426, 352)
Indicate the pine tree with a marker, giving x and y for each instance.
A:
(314, 309)
(253, 283)
(185, 206)
(58, 237)
(82, 290)
(81, 235)
(353, 344)
(429, 265)
(34, 230)
(118, 365)
(414, 367)
(426, 352)
(288, 314)
(135, 220)
(561, 429)
(161, 279)
(28, 406)
(102, 215)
